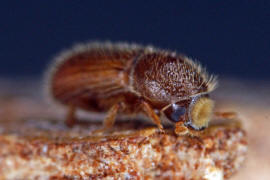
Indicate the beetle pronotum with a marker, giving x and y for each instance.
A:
(128, 79)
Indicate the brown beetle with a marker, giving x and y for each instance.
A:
(128, 79)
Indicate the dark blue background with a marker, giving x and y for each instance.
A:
(232, 38)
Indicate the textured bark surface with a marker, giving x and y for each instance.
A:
(34, 142)
(46, 149)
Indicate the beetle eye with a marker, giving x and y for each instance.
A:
(174, 112)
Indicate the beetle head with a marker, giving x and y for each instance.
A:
(195, 112)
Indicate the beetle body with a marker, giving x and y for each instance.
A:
(128, 79)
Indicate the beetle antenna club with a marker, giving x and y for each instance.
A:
(129, 78)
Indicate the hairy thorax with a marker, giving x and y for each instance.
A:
(163, 79)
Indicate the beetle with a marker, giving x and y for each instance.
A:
(131, 79)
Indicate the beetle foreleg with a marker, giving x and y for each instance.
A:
(181, 129)
(151, 113)
(227, 115)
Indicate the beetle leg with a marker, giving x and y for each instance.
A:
(151, 113)
(227, 115)
(180, 128)
(71, 119)
(110, 119)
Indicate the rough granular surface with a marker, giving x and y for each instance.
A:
(47, 149)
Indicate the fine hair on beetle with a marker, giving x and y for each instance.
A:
(131, 79)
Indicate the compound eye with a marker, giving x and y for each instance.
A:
(175, 112)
